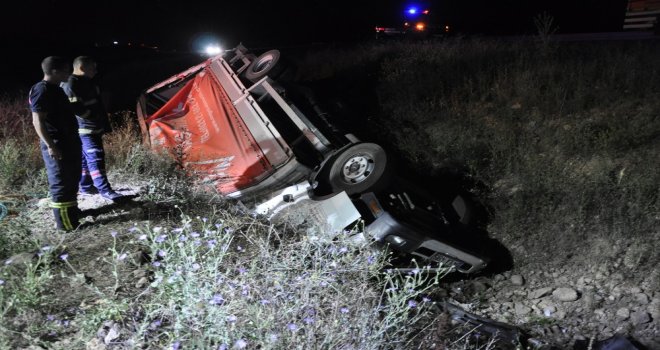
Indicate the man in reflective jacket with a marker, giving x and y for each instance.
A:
(93, 122)
(56, 126)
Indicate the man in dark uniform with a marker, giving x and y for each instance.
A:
(93, 122)
(55, 123)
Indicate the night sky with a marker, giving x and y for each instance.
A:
(35, 29)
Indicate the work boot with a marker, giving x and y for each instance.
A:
(113, 196)
(88, 191)
(67, 219)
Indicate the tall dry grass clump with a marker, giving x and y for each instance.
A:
(567, 141)
(20, 158)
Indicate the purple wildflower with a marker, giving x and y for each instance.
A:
(46, 248)
(113, 234)
(176, 345)
(122, 257)
(211, 243)
(2, 282)
(64, 256)
(197, 242)
(222, 347)
(132, 229)
(231, 318)
(205, 219)
(343, 310)
(142, 237)
(196, 266)
(194, 234)
(308, 320)
(161, 238)
(239, 248)
(155, 324)
(217, 300)
(292, 327)
(413, 272)
(155, 263)
(8, 261)
(229, 230)
(273, 337)
(265, 301)
(177, 230)
(240, 344)
(242, 270)
(183, 238)
(162, 253)
(343, 250)
(426, 299)
(412, 304)
(65, 323)
(50, 317)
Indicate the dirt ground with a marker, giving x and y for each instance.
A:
(603, 288)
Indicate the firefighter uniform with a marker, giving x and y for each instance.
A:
(93, 122)
(60, 124)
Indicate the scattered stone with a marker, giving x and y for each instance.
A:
(559, 315)
(540, 293)
(521, 310)
(113, 333)
(565, 294)
(142, 283)
(642, 298)
(640, 317)
(623, 313)
(517, 280)
(139, 273)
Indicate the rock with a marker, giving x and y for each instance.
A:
(642, 298)
(142, 283)
(640, 317)
(540, 293)
(521, 310)
(623, 313)
(139, 273)
(565, 294)
(498, 278)
(559, 315)
(113, 333)
(517, 280)
(634, 290)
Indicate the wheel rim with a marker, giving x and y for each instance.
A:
(263, 64)
(357, 168)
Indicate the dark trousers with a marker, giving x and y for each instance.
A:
(93, 164)
(63, 175)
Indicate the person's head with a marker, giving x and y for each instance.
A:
(56, 69)
(84, 65)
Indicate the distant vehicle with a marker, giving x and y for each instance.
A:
(240, 124)
(416, 20)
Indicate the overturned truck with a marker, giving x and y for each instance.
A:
(240, 124)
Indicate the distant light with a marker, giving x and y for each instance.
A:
(420, 26)
(446, 28)
(426, 12)
(412, 10)
(116, 42)
(212, 50)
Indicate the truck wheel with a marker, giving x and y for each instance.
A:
(268, 63)
(361, 167)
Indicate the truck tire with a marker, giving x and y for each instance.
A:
(268, 63)
(361, 167)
